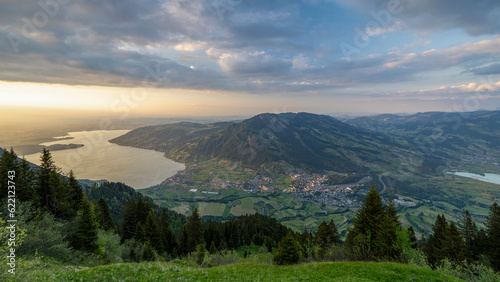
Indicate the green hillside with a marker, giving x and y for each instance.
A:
(308, 141)
(183, 271)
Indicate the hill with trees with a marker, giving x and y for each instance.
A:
(308, 141)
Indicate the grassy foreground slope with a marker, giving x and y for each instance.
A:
(183, 271)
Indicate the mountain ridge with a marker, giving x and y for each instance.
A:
(305, 140)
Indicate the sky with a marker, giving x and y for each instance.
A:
(245, 57)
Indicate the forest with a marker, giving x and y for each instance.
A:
(112, 223)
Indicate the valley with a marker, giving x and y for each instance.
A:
(247, 167)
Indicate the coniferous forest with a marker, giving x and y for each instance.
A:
(110, 223)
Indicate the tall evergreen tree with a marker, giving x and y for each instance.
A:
(75, 191)
(493, 230)
(468, 231)
(84, 236)
(444, 242)
(152, 232)
(288, 251)
(194, 228)
(58, 199)
(385, 247)
(25, 180)
(183, 241)
(327, 235)
(46, 167)
(436, 242)
(140, 233)
(169, 239)
(413, 237)
(366, 226)
(103, 215)
(129, 221)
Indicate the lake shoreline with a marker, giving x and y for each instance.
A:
(485, 177)
(95, 158)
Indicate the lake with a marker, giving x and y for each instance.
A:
(98, 159)
(488, 177)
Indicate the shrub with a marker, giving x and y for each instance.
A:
(109, 246)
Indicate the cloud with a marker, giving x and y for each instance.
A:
(254, 63)
(473, 90)
(430, 16)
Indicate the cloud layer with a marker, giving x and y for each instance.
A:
(245, 46)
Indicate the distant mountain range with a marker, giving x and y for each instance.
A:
(441, 132)
(323, 143)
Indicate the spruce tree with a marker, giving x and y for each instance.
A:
(152, 232)
(169, 240)
(436, 242)
(25, 179)
(323, 236)
(454, 244)
(468, 231)
(84, 236)
(288, 251)
(129, 221)
(194, 228)
(413, 237)
(104, 215)
(46, 167)
(367, 224)
(334, 233)
(183, 241)
(58, 199)
(140, 233)
(493, 230)
(75, 192)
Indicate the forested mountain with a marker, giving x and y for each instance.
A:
(168, 136)
(448, 133)
(118, 194)
(309, 141)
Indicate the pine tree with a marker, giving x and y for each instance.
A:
(84, 236)
(493, 230)
(58, 199)
(140, 233)
(183, 241)
(288, 252)
(152, 232)
(385, 246)
(413, 237)
(436, 242)
(323, 236)
(43, 182)
(366, 226)
(103, 215)
(75, 192)
(334, 233)
(25, 180)
(194, 229)
(454, 248)
(129, 221)
(468, 231)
